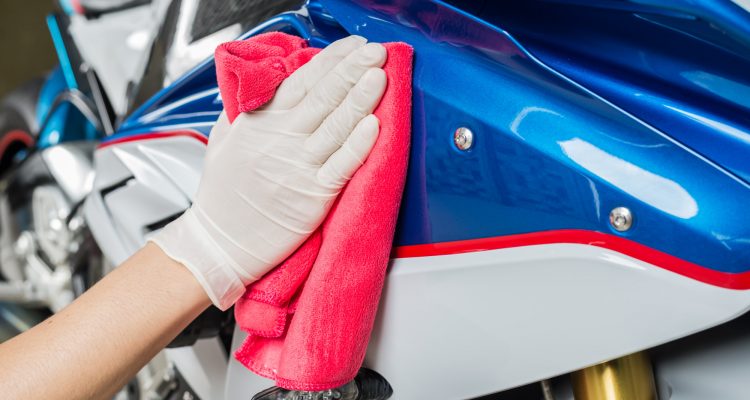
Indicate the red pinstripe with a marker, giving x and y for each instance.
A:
(738, 281)
(155, 135)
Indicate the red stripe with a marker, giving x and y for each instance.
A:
(77, 7)
(621, 245)
(728, 280)
(16, 135)
(155, 135)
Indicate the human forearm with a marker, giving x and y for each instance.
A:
(95, 345)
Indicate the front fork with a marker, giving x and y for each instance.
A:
(626, 378)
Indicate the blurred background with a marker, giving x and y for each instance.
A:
(28, 53)
(25, 38)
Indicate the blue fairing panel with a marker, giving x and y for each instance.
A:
(683, 74)
(553, 150)
(63, 122)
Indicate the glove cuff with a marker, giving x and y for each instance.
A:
(185, 240)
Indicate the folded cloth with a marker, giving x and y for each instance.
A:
(309, 320)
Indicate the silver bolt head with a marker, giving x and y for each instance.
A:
(463, 138)
(621, 219)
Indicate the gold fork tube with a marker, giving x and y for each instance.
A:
(626, 378)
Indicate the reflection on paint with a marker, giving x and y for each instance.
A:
(617, 259)
(733, 91)
(728, 129)
(53, 137)
(524, 114)
(657, 191)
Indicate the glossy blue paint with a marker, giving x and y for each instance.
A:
(553, 150)
(60, 79)
(53, 85)
(698, 92)
(65, 123)
(62, 52)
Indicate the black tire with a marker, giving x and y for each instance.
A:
(18, 125)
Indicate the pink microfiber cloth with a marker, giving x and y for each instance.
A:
(309, 320)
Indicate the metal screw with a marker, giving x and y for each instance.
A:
(463, 138)
(621, 219)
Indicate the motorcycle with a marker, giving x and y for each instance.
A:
(574, 221)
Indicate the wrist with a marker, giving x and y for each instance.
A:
(172, 276)
(186, 241)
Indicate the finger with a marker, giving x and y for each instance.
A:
(294, 88)
(342, 164)
(331, 90)
(359, 103)
(220, 129)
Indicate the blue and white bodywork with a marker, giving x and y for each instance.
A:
(507, 269)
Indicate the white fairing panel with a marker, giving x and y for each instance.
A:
(117, 46)
(241, 383)
(460, 326)
(138, 184)
(203, 365)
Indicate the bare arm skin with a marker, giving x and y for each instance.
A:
(98, 343)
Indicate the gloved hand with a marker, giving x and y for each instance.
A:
(271, 176)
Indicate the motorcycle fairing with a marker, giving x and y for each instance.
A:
(549, 155)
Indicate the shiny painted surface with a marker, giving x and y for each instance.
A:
(697, 92)
(508, 305)
(53, 85)
(503, 318)
(65, 123)
(548, 154)
(139, 187)
(739, 281)
(62, 52)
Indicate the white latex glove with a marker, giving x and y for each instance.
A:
(272, 175)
